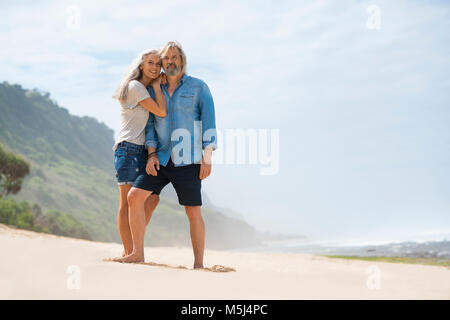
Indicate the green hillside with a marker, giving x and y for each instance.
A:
(72, 171)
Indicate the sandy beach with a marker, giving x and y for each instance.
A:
(40, 266)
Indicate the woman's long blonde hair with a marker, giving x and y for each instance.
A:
(133, 73)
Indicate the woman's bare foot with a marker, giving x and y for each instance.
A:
(198, 266)
(131, 258)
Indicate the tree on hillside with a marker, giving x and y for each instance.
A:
(12, 171)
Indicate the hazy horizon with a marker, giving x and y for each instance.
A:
(362, 109)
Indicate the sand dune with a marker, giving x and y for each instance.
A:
(39, 266)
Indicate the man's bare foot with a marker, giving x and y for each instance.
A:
(198, 266)
(131, 258)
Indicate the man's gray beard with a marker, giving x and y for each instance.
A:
(173, 72)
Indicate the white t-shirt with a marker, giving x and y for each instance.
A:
(133, 116)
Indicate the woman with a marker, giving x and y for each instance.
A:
(130, 155)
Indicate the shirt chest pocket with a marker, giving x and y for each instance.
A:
(187, 101)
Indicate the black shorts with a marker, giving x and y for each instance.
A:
(185, 180)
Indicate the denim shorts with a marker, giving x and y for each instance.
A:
(129, 161)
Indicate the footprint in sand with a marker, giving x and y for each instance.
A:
(214, 268)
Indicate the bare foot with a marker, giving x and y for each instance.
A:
(198, 266)
(131, 258)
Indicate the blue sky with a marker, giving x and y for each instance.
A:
(363, 114)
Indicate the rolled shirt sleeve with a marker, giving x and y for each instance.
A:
(151, 139)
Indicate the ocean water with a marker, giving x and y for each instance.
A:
(430, 246)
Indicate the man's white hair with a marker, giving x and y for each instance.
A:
(175, 44)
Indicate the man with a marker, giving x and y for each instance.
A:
(179, 151)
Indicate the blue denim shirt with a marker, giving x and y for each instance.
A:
(189, 126)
